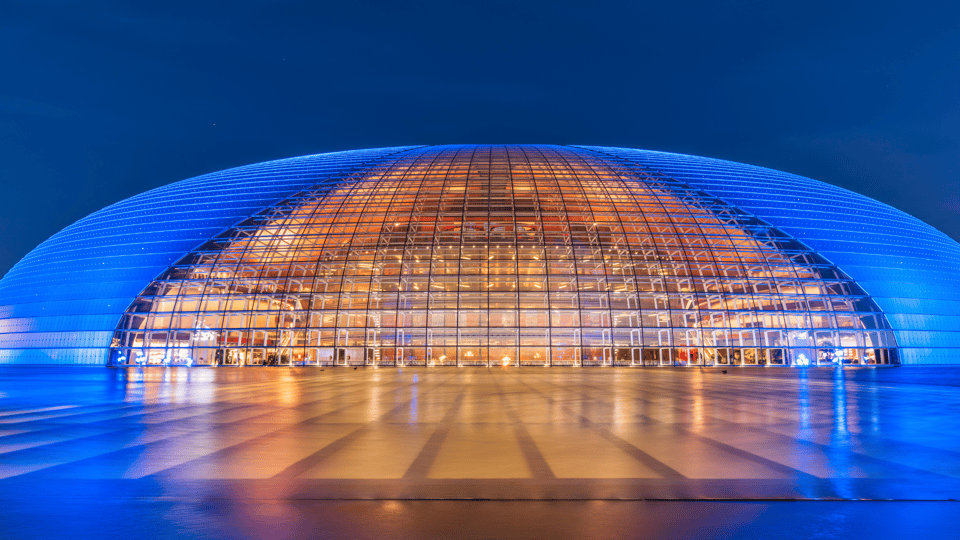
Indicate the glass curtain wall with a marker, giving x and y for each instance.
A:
(506, 255)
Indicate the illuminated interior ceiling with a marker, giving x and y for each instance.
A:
(480, 255)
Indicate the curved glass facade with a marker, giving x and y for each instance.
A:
(480, 255)
(60, 304)
(503, 255)
(909, 268)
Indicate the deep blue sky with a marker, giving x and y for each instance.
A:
(102, 100)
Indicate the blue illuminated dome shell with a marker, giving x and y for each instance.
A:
(483, 254)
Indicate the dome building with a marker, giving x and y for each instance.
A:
(469, 255)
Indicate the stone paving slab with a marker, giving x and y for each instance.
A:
(483, 433)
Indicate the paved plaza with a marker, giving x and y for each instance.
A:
(120, 439)
(541, 433)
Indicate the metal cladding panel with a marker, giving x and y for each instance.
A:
(81, 279)
(910, 269)
(503, 254)
(63, 302)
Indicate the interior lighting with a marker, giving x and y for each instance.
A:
(600, 254)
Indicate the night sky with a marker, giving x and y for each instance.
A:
(100, 101)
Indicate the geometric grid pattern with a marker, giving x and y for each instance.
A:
(910, 269)
(517, 255)
(60, 304)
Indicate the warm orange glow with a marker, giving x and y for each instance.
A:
(447, 257)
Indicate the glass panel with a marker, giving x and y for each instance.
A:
(556, 256)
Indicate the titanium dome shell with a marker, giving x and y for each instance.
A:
(483, 255)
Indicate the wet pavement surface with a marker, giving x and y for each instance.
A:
(479, 452)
